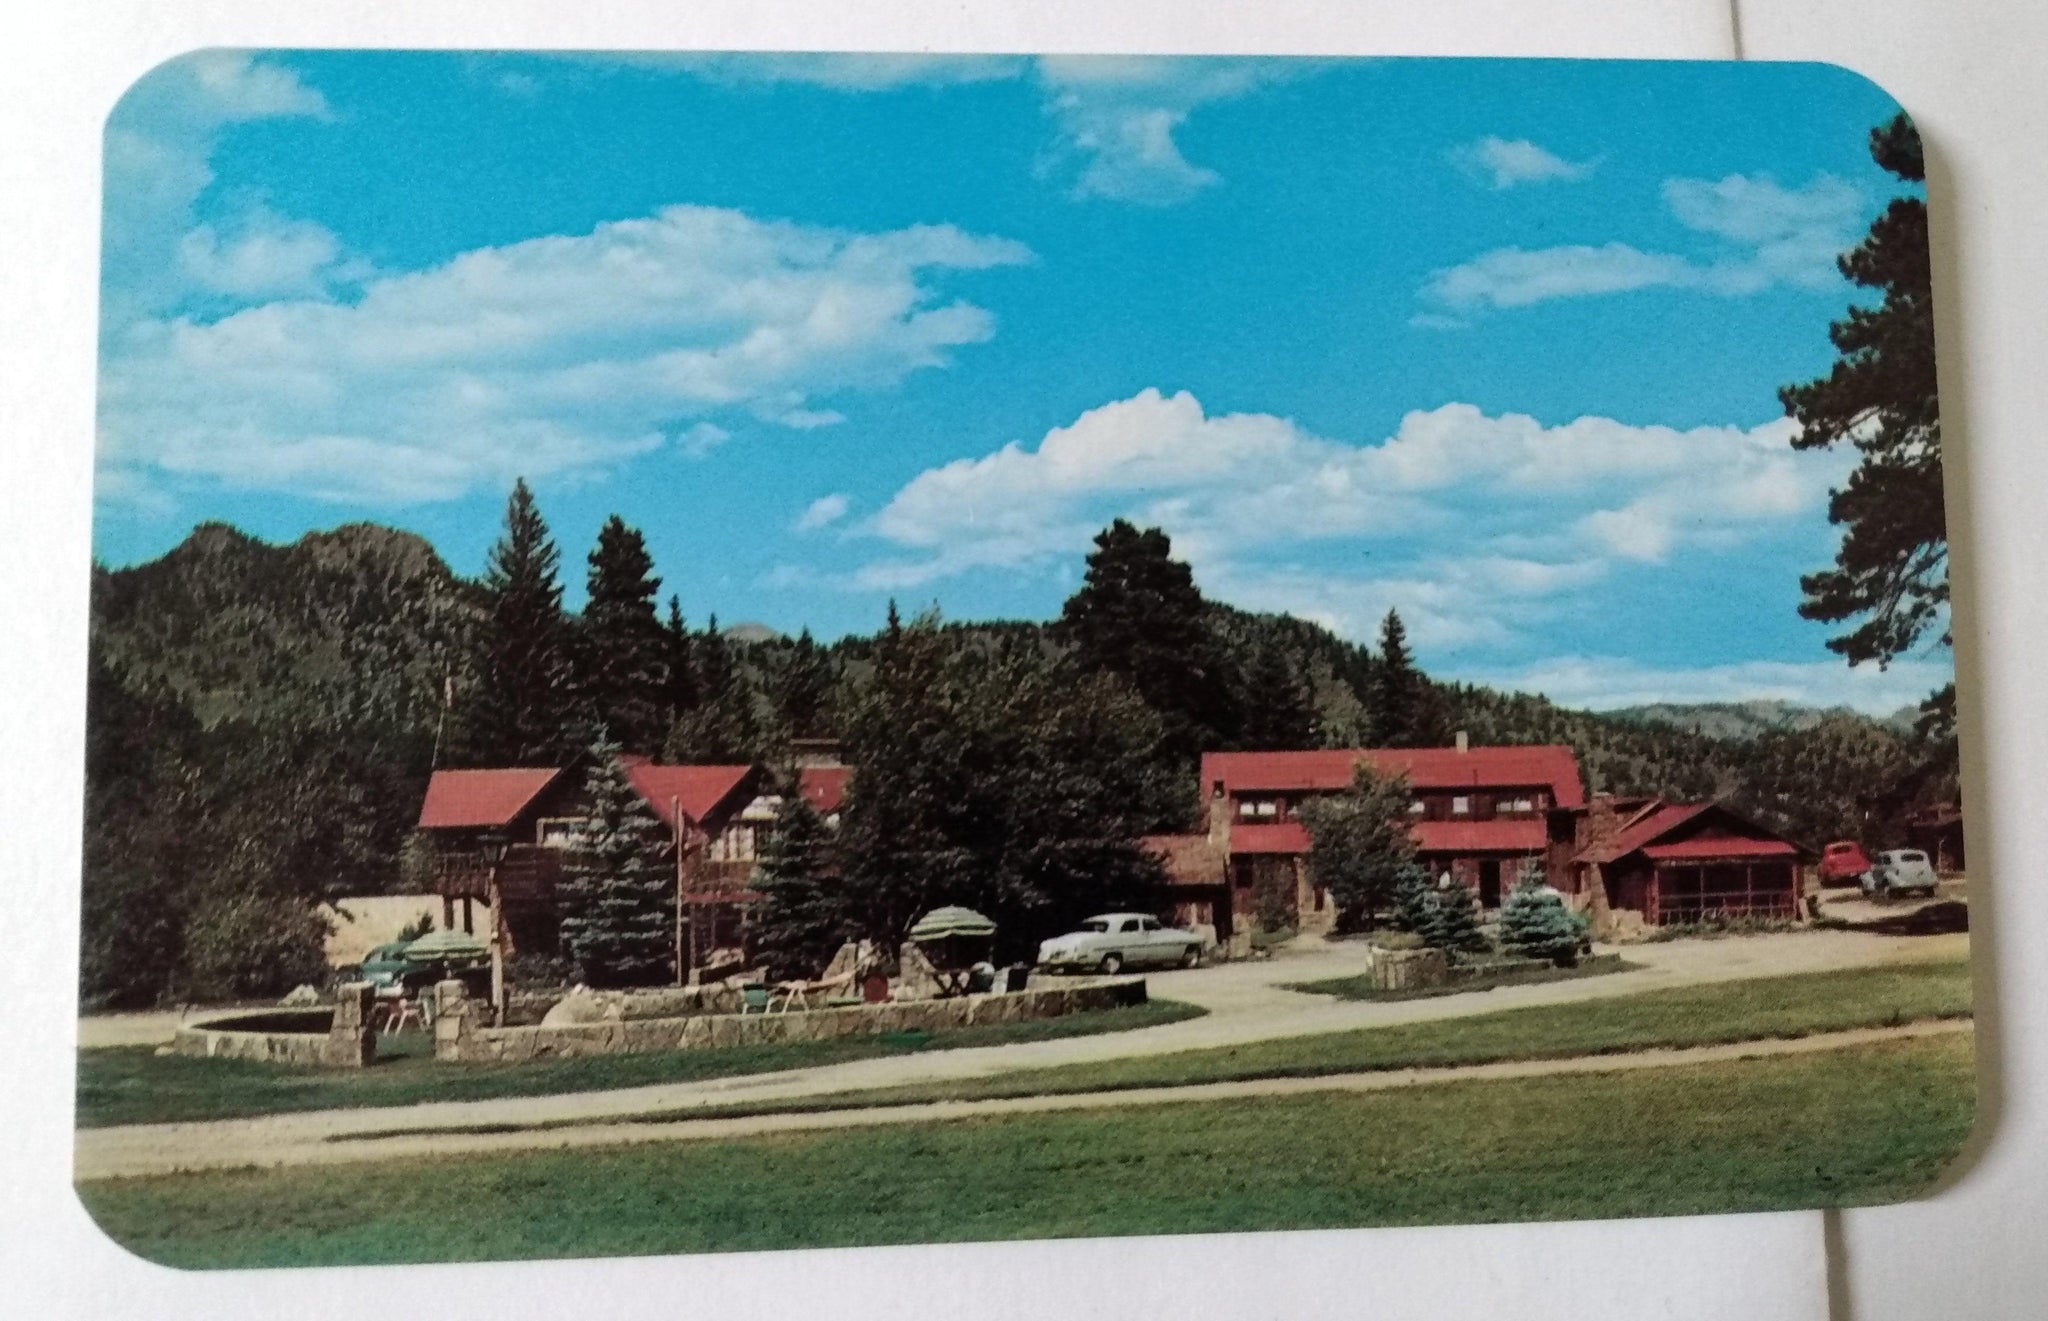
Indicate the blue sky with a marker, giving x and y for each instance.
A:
(1494, 343)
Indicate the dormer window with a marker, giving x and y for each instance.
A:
(1461, 806)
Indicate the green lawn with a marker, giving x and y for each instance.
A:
(1845, 1127)
(135, 1085)
(1767, 1007)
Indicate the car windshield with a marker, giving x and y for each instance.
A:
(1095, 924)
(1912, 855)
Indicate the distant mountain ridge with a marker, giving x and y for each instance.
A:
(1744, 720)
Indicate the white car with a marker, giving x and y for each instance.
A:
(1899, 871)
(1112, 942)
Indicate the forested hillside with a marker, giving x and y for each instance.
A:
(264, 718)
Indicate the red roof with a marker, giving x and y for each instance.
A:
(1513, 836)
(462, 799)
(699, 790)
(823, 786)
(1652, 822)
(1278, 837)
(1549, 766)
(1725, 846)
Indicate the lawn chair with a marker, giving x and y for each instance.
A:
(400, 1012)
(754, 998)
(799, 993)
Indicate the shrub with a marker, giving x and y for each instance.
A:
(1454, 922)
(1535, 923)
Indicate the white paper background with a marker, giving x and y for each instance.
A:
(1966, 70)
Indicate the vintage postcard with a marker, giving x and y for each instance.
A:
(706, 652)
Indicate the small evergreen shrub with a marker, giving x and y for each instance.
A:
(1535, 923)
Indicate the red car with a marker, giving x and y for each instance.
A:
(1843, 863)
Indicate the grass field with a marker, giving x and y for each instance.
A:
(135, 1085)
(1846, 1127)
(1795, 1006)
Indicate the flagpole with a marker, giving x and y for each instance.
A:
(676, 809)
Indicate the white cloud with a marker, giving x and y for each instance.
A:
(1475, 526)
(1605, 682)
(262, 255)
(1769, 235)
(700, 438)
(823, 512)
(1502, 163)
(1115, 116)
(159, 144)
(1118, 116)
(1516, 277)
(560, 354)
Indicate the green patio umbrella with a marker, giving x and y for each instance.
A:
(950, 921)
(447, 947)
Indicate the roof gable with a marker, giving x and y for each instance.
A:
(1675, 830)
(467, 799)
(700, 791)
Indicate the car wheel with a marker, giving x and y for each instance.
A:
(1192, 957)
(1112, 964)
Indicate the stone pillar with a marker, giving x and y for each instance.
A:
(352, 1038)
(452, 1022)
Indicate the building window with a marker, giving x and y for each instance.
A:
(1258, 809)
(1416, 808)
(558, 832)
(1461, 806)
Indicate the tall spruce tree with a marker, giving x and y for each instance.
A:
(522, 710)
(1891, 566)
(1138, 614)
(624, 671)
(618, 890)
(1402, 711)
(679, 668)
(802, 917)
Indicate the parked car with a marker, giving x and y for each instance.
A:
(386, 965)
(1843, 863)
(1112, 942)
(1900, 871)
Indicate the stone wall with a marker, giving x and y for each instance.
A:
(460, 1033)
(340, 1039)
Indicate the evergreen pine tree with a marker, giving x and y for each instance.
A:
(1534, 922)
(624, 676)
(522, 709)
(722, 728)
(1138, 614)
(679, 666)
(802, 917)
(1277, 703)
(1414, 901)
(1454, 921)
(618, 891)
(801, 680)
(1398, 698)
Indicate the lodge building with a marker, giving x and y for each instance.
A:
(1477, 814)
(716, 818)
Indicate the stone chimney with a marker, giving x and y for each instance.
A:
(1464, 741)
(1218, 805)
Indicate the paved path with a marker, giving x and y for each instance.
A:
(1246, 1002)
(116, 1153)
